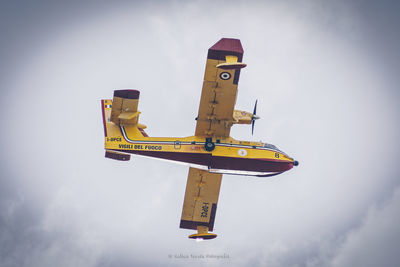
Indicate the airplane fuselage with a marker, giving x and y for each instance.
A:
(228, 155)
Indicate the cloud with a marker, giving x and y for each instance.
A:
(324, 97)
(376, 241)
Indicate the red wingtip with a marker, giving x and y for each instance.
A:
(226, 46)
(229, 45)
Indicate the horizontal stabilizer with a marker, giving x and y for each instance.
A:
(124, 110)
(128, 115)
(117, 156)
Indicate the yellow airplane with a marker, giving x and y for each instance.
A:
(211, 152)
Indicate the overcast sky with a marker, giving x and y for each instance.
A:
(326, 77)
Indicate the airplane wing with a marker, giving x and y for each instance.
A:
(218, 97)
(201, 198)
(215, 118)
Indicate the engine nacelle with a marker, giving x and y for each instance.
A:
(242, 117)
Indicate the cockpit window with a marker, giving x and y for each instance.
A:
(271, 146)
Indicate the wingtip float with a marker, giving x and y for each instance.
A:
(211, 151)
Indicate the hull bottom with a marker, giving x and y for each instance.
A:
(223, 165)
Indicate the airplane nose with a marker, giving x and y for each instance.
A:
(295, 163)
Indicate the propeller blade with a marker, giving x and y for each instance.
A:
(254, 118)
(255, 108)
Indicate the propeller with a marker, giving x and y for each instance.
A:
(254, 117)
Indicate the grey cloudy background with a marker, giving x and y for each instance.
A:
(326, 75)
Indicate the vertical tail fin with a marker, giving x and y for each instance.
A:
(111, 131)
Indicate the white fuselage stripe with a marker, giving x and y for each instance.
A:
(191, 143)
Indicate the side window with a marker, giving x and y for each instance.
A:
(177, 144)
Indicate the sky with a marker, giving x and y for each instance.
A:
(326, 77)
